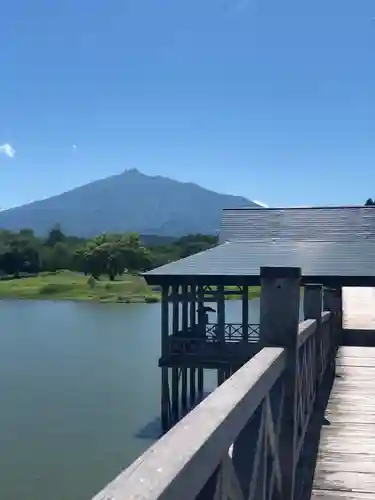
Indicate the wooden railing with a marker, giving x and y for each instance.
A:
(210, 344)
(231, 446)
(233, 332)
(246, 440)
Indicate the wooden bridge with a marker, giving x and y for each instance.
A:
(293, 416)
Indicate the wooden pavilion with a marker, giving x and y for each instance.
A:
(333, 246)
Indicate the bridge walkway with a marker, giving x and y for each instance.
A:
(345, 466)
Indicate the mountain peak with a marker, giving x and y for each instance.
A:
(132, 171)
(131, 201)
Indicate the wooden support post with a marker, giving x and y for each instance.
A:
(185, 309)
(175, 395)
(245, 313)
(220, 376)
(220, 329)
(279, 320)
(175, 375)
(332, 301)
(192, 387)
(200, 383)
(193, 326)
(165, 402)
(186, 328)
(199, 293)
(184, 390)
(312, 309)
(175, 310)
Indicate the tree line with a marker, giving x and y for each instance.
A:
(23, 252)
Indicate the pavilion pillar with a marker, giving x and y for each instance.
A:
(245, 313)
(175, 374)
(220, 330)
(165, 398)
(193, 325)
(185, 329)
(198, 291)
(279, 320)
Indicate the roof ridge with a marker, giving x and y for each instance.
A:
(319, 207)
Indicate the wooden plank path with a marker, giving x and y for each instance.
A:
(346, 459)
(358, 306)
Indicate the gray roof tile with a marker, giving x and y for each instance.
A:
(327, 224)
(324, 242)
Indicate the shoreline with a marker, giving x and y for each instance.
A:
(76, 287)
(72, 286)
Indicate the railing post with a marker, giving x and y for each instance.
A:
(332, 301)
(279, 320)
(312, 309)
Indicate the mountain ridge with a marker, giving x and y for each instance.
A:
(129, 201)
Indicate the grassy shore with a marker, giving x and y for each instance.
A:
(67, 285)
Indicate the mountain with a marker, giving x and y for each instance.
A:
(130, 201)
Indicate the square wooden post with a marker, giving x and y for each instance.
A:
(279, 320)
(332, 301)
(312, 309)
(220, 329)
(199, 293)
(245, 313)
(175, 329)
(165, 398)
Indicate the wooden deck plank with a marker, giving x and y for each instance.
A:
(346, 459)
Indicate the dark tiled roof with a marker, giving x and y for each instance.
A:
(313, 223)
(325, 242)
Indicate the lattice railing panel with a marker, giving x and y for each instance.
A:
(251, 469)
(306, 386)
(233, 332)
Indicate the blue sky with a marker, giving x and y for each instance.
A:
(270, 99)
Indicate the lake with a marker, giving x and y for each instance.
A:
(80, 393)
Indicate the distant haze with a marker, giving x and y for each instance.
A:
(130, 201)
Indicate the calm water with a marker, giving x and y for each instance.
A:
(79, 392)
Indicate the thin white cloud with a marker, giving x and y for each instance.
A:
(264, 205)
(74, 147)
(241, 5)
(7, 150)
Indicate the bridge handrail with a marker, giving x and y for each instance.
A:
(305, 330)
(179, 465)
(234, 439)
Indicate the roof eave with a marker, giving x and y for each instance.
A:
(252, 280)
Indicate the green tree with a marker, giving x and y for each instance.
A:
(194, 243)
(60, 256)
(112, 254)
(55, 236)
(19, 253)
